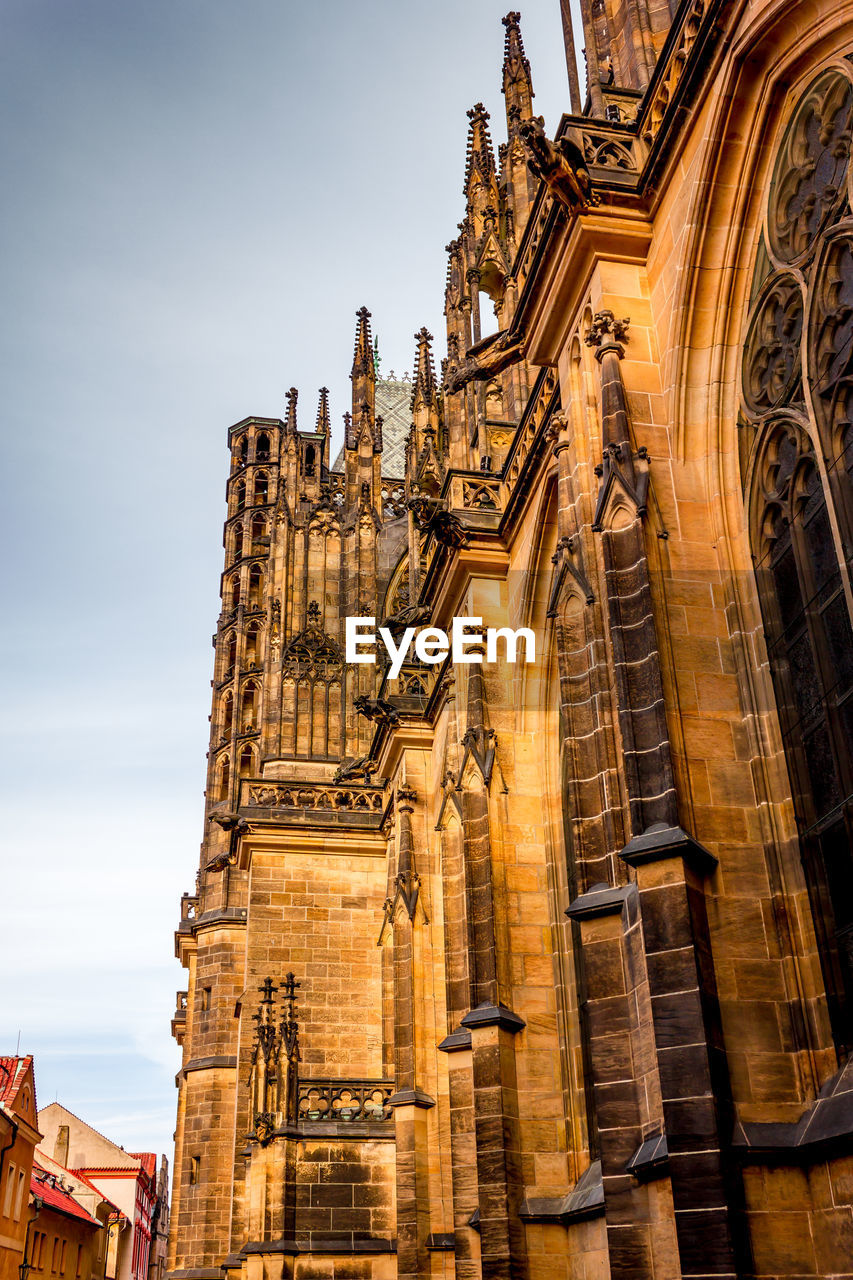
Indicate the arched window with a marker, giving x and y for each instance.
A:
(247, 759)
(240, 496)
(259, 532)
(310, 459)
(797, 369)
(233, 591)
(230, 656)
(237, 542)
(262, 448)
(249, 709)
(243, 448)
(261, 489)
(227, 715)
(253, 645)
(224, 777)
(256, 586)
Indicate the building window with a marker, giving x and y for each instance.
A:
(10, 1191)
(62, 1249)
(19, 1198)
(195, 1170)
(78, 1270)
(54, 1257)
(797, 377)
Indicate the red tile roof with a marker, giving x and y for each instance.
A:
(12, 1071)
(149, 1161)
(55, 1198)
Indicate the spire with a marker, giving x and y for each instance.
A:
(376, 354)
(363, 359)
(290, 417)
(480, 157)
(517, 82)
(363, 367)
(424, 387)
(323, 425)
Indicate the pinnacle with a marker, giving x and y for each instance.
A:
(323, 424)
(291, 397)
(363, 357)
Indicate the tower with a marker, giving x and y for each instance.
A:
(501, 968)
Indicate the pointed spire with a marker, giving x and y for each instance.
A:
(363, 367)
(290, 417)
(423, 387)
(376, 355)
(480, 156)
(323, 425)
(517, 81)
(363, 360)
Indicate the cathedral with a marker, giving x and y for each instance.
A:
(544, 970)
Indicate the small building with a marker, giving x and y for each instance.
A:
(125, 1178)
(18, 1138)
(64, 1240)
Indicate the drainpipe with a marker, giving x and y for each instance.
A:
(36, 1206)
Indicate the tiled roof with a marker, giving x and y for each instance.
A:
(393, 406)
(148, 1160)
(42, 1184)
(12, 1071)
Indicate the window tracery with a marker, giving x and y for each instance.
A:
(797, 401)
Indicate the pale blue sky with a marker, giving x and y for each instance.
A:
(198, 195)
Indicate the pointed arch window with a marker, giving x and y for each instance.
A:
(240, 496)
(797, 466)
(256, 586)
(261, 489)
(262, 448)
(227, 715)
(253, 645)
(259, 533)
(237, 542)
(224, 778)
(247, 762)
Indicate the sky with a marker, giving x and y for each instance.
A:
(198, 195)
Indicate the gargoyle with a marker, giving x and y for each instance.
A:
(449, 530)
(560, 165)
(376, 709)
(348, 770)
(485, 360)
(412, 616)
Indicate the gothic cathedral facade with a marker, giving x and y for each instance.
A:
(545, 970)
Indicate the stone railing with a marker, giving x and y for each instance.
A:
(317, 797)
(345, 1101)
(530, 425)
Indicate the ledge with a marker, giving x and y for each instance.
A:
(660, 841)
(650, 1160)
(825, 1128)
(226, 1062)
(586, 1200)
(437, 1240)
(494, 1015)
(601, 900)
(410, 1098)
(458, 1039)
(346, 1244)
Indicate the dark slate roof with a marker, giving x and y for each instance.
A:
(393, 406)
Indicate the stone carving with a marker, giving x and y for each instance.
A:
(809, 174)
(315, 795)
(345, 1100)
(377, 709)
(771, 359)
(560, 165)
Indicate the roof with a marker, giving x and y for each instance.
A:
(12, 1072)
(44, 1185)
(148, 1160)
(51, 1165)
(393, 406)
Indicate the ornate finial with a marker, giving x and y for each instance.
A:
(406, 798)
(607, 333)
(517, 83)
(313, 614)
(292, 397)
(323, 424)
(363, 360)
